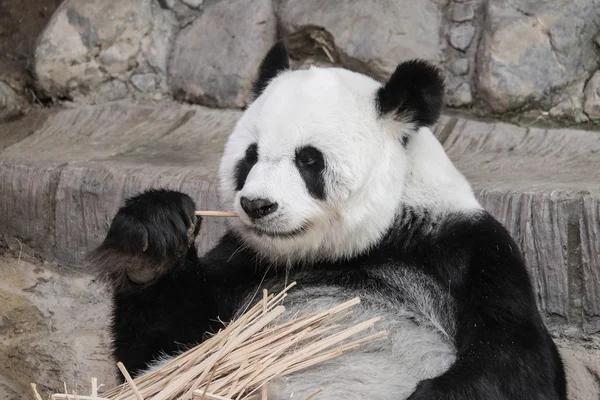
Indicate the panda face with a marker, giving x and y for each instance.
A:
(315, 167)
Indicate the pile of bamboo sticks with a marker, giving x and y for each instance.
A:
(239, 361)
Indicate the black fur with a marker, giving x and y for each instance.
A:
(503, 349)
(414, 92)
(276, 61)
(243, 167)
(311, 164)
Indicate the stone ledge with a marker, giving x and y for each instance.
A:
(62, 182)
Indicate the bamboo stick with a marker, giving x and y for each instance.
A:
(216, 213)
(35, 392)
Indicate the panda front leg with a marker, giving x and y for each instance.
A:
(161, 298)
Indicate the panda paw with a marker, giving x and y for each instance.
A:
(149, 237)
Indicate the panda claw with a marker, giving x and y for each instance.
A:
(142, 276)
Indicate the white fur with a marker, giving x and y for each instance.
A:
(432, 181)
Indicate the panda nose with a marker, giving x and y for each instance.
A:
(258, 208)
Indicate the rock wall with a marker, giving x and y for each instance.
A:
(499, 56)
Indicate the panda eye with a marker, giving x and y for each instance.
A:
(308, 156)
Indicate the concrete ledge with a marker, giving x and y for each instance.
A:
(64, 174)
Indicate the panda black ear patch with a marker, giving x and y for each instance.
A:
(414, 92)
(276, 61)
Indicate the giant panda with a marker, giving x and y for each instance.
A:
(341, 186)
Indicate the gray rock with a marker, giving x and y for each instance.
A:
(461, 96)
(461, 36)
(460, 66)
(183, 13)
(375, 37)
(193, 3)
(156, 46)
(144, 82)
(528, 50)
(107, 91)
(10, 102)
(592, 96)
(215, 60)
(89, 42)
(169, 4)
(119, 57)
(568, 103)
(463, 12)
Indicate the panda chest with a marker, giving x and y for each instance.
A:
(417, 345)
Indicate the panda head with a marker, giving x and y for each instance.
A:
(316, 166)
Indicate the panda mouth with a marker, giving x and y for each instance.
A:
(279, 234)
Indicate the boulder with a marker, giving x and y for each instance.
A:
(461, 36)
(462, 12)
(530, 48)
(460, 96)
(215, 60)
(567, 103)
(90, 48)
(460, 66)
(592, 97)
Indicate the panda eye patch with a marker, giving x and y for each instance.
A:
(308, 156)
(311, 164)
(243, 167)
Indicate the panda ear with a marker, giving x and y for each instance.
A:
(276, 61)
(414, 93)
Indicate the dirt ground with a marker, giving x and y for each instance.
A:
(53, 326)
